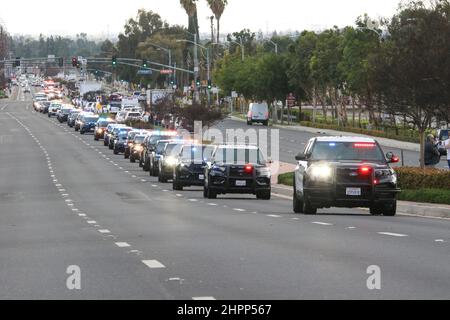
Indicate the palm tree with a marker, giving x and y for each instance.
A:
(190, 7)
(217, 7)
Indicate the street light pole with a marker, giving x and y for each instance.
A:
(242, 48)
(196, 69)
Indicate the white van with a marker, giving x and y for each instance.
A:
(258, 112)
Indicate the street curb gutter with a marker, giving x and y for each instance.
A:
(425, 210)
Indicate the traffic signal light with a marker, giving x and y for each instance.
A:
(61, 62)
(144, 63)
(114, 61)
(197, 82)
(75, 62)
(209, 85)
(17, 62)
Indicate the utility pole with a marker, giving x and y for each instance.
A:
(196, 70)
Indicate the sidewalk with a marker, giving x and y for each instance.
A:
(383, 141)
(403, 207)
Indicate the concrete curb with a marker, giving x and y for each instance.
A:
(424, 209)
(383, 141)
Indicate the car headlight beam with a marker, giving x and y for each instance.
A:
(321, 172)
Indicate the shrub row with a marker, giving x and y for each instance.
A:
(375, 133)
(415, 178)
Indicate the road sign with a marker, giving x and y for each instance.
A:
(144, 72)
(290, 100)
(166, 71)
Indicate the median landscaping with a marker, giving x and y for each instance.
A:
(418, 185)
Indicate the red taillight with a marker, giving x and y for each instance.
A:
(375, 182)
(365, 170)
(395, 159)
(363, 145)
(248, 169)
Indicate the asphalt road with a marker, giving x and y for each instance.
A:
(65, 200)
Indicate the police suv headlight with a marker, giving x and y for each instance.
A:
(171, 161)
(221, 169)
(386, 175)
(320, 172)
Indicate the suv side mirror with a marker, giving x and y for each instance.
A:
(300, 157)
(392, 158)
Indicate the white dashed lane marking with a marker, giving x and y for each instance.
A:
(322, 223)
(393, 234)
(122, 244)
(153, 264)
(203, 298)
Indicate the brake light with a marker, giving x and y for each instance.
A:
(248, 169)
(363, 145)
(395, 159)
(375, 182)
(365, 170)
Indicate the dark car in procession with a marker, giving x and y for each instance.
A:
(64, 113)
(237, 169)
(345, 172)
(136, 147)
(149, 147)
(88, 123)
(100, 128)
(190, 167)
(119, 140)
(168, 159)
(71, 118)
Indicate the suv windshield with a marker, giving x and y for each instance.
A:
(160, 147)
(173, 148)
(90, 119)
(154, 139)
(196, 153)
(239, 156)
(347, 151)
(139, 139)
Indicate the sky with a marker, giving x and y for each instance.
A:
(107, 17)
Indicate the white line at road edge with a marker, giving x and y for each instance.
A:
(203, 298)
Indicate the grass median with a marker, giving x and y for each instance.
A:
(425, 195)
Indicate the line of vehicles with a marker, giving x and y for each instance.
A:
(331, 171)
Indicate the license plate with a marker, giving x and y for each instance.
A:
(241, 183)
(201, 177)
(353, 192)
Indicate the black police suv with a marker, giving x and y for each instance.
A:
(237, 169)
(190, 167)
(345, 172)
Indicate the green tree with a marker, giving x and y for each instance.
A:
(217, 7)
(412, 67)
(190, 6)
